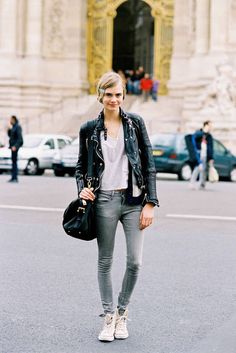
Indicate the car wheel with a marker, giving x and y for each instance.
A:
(32, 167)
(233, 174)
(185, 172)
(59, 173)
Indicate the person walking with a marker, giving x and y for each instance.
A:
(123, 189)
(202, 142)
(15, 142)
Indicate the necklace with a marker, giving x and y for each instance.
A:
(112, 129)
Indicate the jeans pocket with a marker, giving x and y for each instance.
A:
(103, 197)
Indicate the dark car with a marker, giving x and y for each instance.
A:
(65, 161)
(171, 156)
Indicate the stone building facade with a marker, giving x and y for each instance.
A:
(203, 66)
(52, 51)
(42, 54)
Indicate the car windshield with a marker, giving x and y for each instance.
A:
(32, 141)
(163, 140)
(75, 142)
(180, 144)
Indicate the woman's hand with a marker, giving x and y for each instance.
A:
(87, 194)
(147, 215)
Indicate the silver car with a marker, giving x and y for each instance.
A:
(65, 161)
(36, 154)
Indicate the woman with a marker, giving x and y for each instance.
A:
(124, 189)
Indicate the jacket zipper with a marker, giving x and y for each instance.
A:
(101, 157)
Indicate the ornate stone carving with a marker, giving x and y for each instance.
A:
(220, 95)
(54, 40)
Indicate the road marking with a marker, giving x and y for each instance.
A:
(192, 216)
(32, 208)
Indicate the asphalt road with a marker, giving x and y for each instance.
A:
(184, 301)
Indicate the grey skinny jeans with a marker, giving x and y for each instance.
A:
(110, 207)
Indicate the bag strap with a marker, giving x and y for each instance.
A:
(90, 126)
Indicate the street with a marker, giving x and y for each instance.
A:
(185, 298)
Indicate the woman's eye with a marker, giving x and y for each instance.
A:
(118, 95)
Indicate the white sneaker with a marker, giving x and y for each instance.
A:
(107, 333)
(121, 331)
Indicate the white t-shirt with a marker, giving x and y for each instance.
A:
(115, 175)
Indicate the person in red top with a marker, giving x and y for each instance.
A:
(146, 86)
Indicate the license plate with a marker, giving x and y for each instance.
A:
(157, 152)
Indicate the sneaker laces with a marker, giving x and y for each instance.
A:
(121, 321)
(108, 319)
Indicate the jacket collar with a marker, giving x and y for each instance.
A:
(100, 119)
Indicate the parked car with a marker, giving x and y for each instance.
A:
(65, 160)
(171, 156)
(36, 154)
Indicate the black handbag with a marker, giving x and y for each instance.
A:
(78, 218)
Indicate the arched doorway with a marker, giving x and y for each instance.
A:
(101, 20)
(133, 37)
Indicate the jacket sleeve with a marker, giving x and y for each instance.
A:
(148, 165)
(194, 136)
(19, 138)
(81, 166)
(210, 148)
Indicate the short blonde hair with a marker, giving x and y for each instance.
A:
(108, 80)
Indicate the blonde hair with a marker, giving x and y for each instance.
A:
(108, 80)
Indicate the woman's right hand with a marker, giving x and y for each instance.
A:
(87, 194)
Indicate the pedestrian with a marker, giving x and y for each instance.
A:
(146, 86)
(130, 78)
(15, 142)
(154, 91)
(202, 142)
(136, 82)
(124, 189)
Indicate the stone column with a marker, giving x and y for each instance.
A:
(181, 28)
(219, 25)
(34, 28)
(8, 10)
(202, 26)
(181, 45)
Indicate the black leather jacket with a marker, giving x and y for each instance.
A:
(138, 150)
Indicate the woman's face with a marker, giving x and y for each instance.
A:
(113, 97)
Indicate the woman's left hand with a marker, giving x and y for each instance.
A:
(147, 215)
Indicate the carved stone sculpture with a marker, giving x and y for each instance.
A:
(220, 95)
